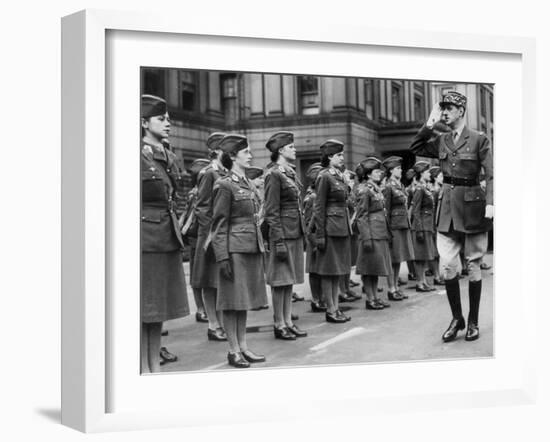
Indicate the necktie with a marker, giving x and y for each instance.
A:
(455, 136)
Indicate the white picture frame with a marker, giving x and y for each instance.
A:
(86, 216)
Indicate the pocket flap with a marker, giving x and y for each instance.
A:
(242, 196)
(151, 215)
(468, 156)
(474, 194)
(243, 228)
(443, 155)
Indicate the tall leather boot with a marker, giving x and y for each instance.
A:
(453, 296)
(474, 293)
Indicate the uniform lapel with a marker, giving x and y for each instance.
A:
(448, 138)
(463, 139)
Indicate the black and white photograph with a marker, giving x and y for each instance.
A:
(302, 220)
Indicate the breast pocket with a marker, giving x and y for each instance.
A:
(152, 187)
(336, 222)
(469, 164)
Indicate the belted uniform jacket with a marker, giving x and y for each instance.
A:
(188, 220)
(205, 184)
(160, 175)
(422, 211)
(282, 206)
(372, 219)
(462, 207)
(235, 217)
(330, 209)
(396, 205)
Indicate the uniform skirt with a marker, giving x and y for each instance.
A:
(163, 291)
(288, 272)
(205, 271)
(376, 262)
(247, 289)
(436, 253)
(310, 255)
(402, 247)
(424, 251)
(335, 259)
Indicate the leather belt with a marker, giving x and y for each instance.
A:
(468, 182)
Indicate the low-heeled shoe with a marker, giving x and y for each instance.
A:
(454, 327)
(382, 302)
(236, 360)
(296, 331)
(339, 314)
(439, 281)
(472, 333)
(343, 297)
(334, 318)
(373, 305)
(216, 335)
(395, 296)
(166, 356)
(296, 297)
(403, 294)
(252, 357)
(317, 307)
(352, 283)
(201, 317)
(283, 333)
(423, 288)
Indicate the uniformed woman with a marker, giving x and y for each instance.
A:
(436, 181)
(283, 215)
(317, 302)
(374, 257)
(238, 247)
(396, 206)
(332, 228)
(163, 291)
(189, 231)
(204, 275)
(422, 216)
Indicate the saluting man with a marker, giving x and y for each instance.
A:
(465, 209)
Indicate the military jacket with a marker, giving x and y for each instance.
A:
(235, 217)
(372, 219)
(188, 221)
(282, 205)
(462, 207)
(160, 175)
(330, 211)
(206, 179)
(396, 198)
(422, 210)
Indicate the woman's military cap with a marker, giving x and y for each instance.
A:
(232, 143)
(371, 163)
(392, 162)
(279, 139)
(198, 165)
(214, 139)
(152, 106)
(454, 97)
(331, 147)
(253, 172)
(313, 171)
(421, 166)
(434, 171)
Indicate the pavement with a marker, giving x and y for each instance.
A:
(409, 330)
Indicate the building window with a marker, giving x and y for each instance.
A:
(308, 88)
(396, 102)
(418, 102)
(483, 102)
(369, 99)
(229, 88)
(153, 82)
(188, 90)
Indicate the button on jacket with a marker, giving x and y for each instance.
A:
(372, 220)
(282, 209)
(461, 206)
(422, 211)
(330, 211)
(396, 205)
(160, 175)
(235, 218)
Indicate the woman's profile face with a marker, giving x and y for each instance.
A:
(157, 126)
(376, 175)
(396, 172)
(288, 152)
(425, 176)
(243, 158)
(337, 160)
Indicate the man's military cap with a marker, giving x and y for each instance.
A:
(313, 171)
(198, 165)
(279, 139)
(392, 162)
(152, 106)
(253, 172)
(454, 97)
(434, 171)
(214, 139)
(371, 163)
(331, 147)
(232, 143)
(421, 166)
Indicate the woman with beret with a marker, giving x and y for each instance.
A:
(163, 290)
(436, 181)
(422, 216)
(374, 257)
(317, 302)
(204, 274)
(283, 216)
(401, 247)
(332, 228)
(238, 247)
